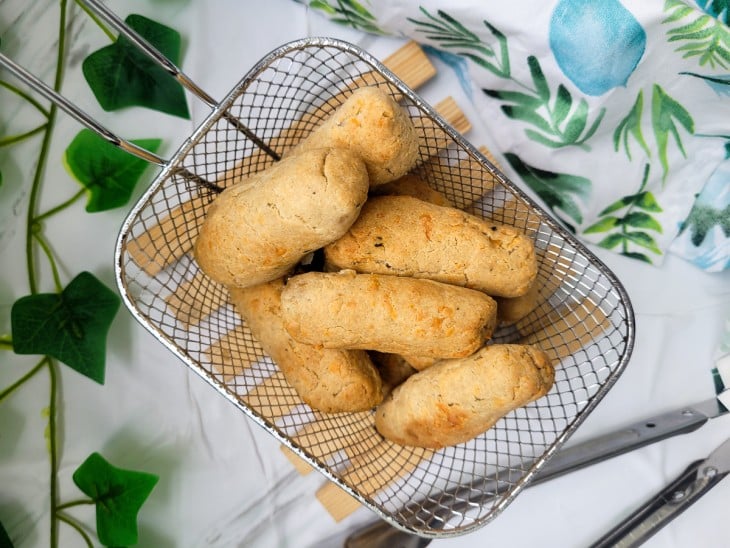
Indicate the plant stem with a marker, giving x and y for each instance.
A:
(43, 155)
(49, 253)
(72, 522)
(5, 141)
(6, 343)
(60, 207)
(28, 98)
(96, 20)
(79, 502)
(22, 380)
(53, 450)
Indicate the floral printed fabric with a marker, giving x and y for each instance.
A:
(615, 113)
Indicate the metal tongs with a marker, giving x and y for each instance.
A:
(699, 477)
(695, 481)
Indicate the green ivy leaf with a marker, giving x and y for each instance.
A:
(5, 541)
(108, 173)
(604, 225)
(118, 494)
(557, 190)
(665, 111)
(120, 75)
(71, 326)
(639, 219)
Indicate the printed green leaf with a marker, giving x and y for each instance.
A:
(528, 115)
(119, 494)
(647, 202)
(617, 205)
(563, 102)
(71, 326)
(538, 78)
(522, 99)
(604, 225)
(665, 111)
(5, 541)
(557, 190)
(540, 138)
(120, 75)
(705, 37)
(612, 240)
(503, 49)
(639, 219)
(637, 256)
(349, 13)
(449, 33)
(631, 126)
(323, 6)
(108, 173)
(577, 122)
(644, 240)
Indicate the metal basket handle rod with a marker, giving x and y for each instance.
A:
(40, 87)
(154, 54)
(49, 93)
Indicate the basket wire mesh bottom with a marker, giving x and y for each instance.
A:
(583, 320)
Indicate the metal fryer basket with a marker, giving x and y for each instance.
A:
(583, 320)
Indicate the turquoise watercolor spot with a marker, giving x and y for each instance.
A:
(597, 44)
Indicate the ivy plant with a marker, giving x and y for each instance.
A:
(145, 83)
(118, 495)
(70, 324)
(108, 174)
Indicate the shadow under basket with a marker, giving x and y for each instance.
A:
(583, 319)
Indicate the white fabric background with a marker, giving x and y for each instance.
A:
(223, 481)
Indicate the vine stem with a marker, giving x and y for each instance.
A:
(73, 523)
(53, 450)
(98, 21)
(49, 254)
(79, 502)
(5, 141)
(43, 155)
(60, 207)
(22, 380)
(31, 226)
(20, 93)
(6, 343)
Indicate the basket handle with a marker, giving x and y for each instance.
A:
(86, 120)
(154, 54)
(75, 112)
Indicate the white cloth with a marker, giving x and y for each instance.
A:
(223, 480)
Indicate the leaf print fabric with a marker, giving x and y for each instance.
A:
(615, 114)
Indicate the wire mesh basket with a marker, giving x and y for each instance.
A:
(583, 320)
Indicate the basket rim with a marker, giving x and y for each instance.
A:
(216, 113)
